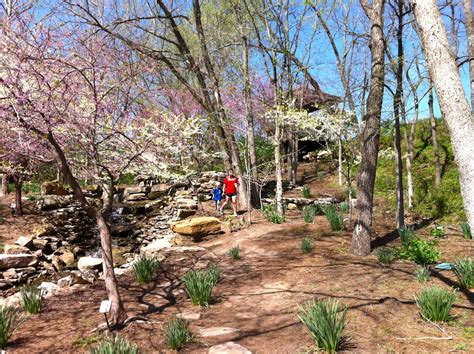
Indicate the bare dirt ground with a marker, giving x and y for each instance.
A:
(258, 296)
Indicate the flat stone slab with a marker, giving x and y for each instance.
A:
(216, 331)
(157, 245)
(197, 227)
(189, 316)
(229, 348)
(20, 260)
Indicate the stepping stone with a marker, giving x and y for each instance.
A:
(216, 331)
(189, 316)
(229, 348)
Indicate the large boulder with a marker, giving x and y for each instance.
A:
(63, 258)
(53, 188)
(197, 227)
(158, 190)
(24, 241)
(21, 260)
(187, 204)
(15, 249)
(89, 263)
(44, 230)
(135, 197)
(157, 246)
(51, 202)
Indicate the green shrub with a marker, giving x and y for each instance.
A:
(406, 234)
(10, 320)
(308, 214)
(318, 209)
(177, 333)
(31, 299)
(306, 245)
(438, 232)
(271, 214)
(326, 321)
(234, 253)
(306, 191)
(144, 268)
(422, 274)
(199, 284)
(466, 230)
(420, 251)
(435, 303)
(344, 207)
(214, 273)
(464, 270)
(320, 174)
(335, 220)
(114, 346)
(385, 255)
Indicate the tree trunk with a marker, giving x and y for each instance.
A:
(371, 133)
(397, 103)
(18, 180)
(4, 189)
(469, 19)
(278, 169)
(294, 159)
(451, 96)
(254, 193)
(434, 138)
(117, 313)
(339, 162)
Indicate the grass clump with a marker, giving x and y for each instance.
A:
(435, 303)
(335, 220)
(344, 207)
(386, 256)
(234, 253)
(199, 284)
(214, 273)
(306, 245)
(271, 214)
(10, 320)
(438, 232)
(144, 268)
(31, 299)
(177, 333)
(306, 191)
(406, 235)
(308, 214)
(420, 251)
(422, 274)
(116, 345)
(464, 270)
(326, 321)
(466, 230)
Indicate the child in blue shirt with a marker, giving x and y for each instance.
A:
(217, 196)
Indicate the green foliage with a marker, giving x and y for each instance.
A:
(406, 235)
(144, 268)
(386, 255)
(318, 209)
(344, 207)
(234, 253)
(435, 303)
(10, 320)
(320, 174)
(31, 299)
(306, 245)
(464, 270)
(127, 178)
(466, 230)
(214, 273)
(199, 284)
(443, 202)
(31, 187)
(271, 214)
(177, 333)
(116, 345)
(326, 321)
(422, 274)
(420, 251)
(438, 232)
(308, 214)
(335, 220)
(264, 149)
(306, 191)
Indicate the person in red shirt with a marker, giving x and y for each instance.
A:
(231, 184)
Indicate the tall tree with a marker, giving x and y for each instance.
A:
(451, 96)
(371, 131)
(469, 23)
